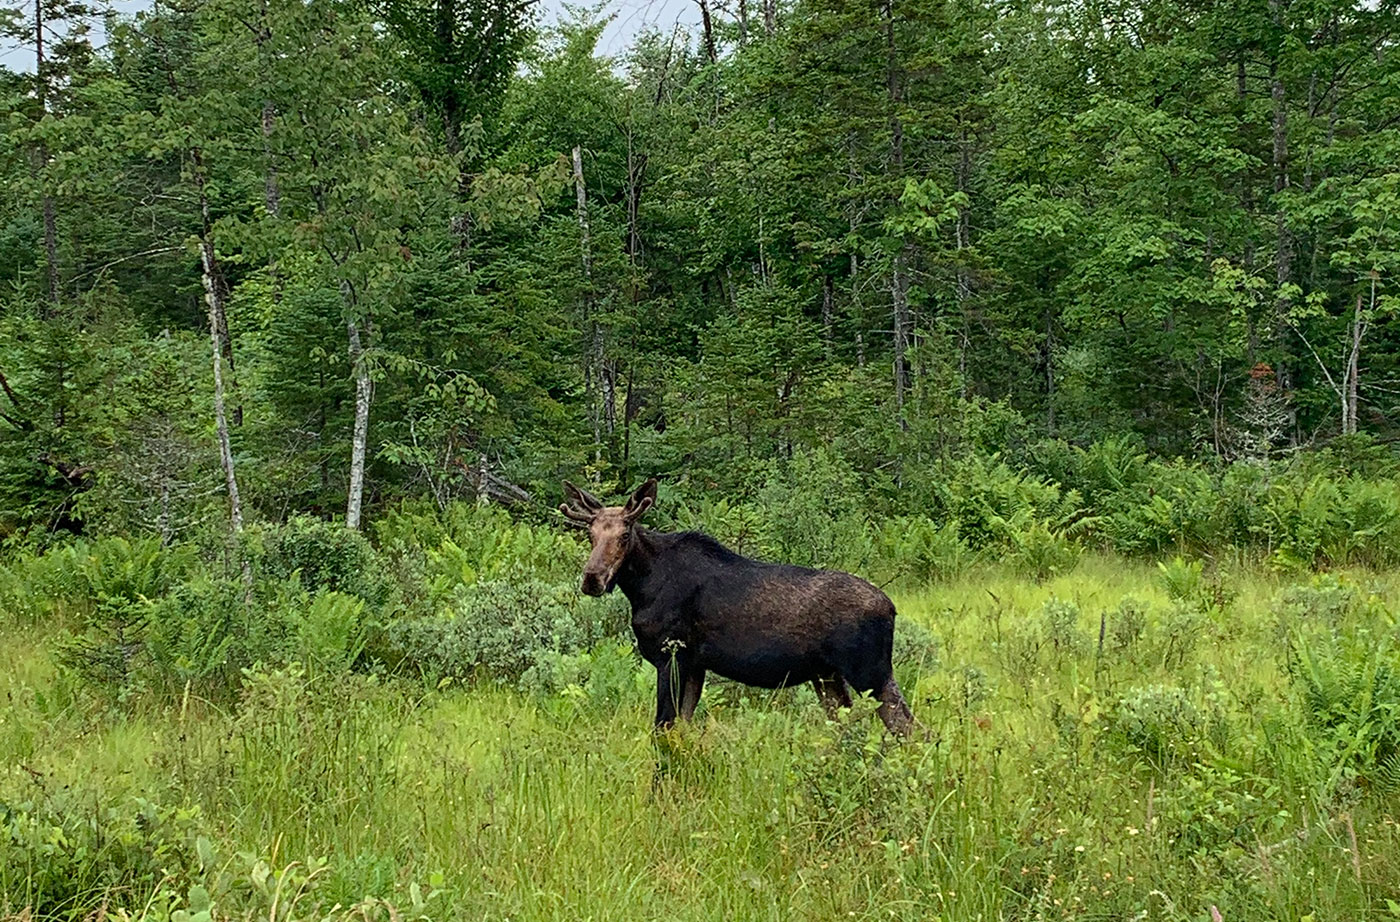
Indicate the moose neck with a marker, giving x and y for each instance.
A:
(633, 576)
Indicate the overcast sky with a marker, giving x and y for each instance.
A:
(629, 18)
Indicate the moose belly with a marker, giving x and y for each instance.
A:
(765, 665)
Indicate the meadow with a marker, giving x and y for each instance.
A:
(1126, 740)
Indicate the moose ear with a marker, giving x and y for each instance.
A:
(642, 499)
(581, 499)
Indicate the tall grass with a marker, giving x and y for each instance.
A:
(1092, 746)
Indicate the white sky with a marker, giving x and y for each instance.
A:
(629, 18)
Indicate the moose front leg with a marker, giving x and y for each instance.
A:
(668, 688)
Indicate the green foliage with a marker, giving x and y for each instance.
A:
(1159, 722)
(1182, 579)
(1201, 773)
(918, 549)
(64, 850)
(325, 556)
(1350, 695)
(511, 631)
(1060, 626)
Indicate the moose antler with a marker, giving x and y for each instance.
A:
(581, 507)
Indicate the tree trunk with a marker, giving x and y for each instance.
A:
(213, 297)
(743, 23)
(770, 17)
(445, 35)
(1350, 415)
(1049, 371)
(1246, 194)
(1284, 244)
(899, 275)
(708, 31)
(963, 281)
(828, 315)
(50, 217)
(363, 395)
(272, 193)
(218, 320)
(593, 359)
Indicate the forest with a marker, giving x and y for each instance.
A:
(1071, 324)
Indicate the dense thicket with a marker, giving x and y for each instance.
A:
(311, 255)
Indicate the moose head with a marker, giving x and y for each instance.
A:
(610, 528)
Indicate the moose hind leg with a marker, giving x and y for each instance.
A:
(690, 691)
(833, 694)
(894, 710)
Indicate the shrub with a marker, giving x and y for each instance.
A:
(1182, 579)
(62, 852)
(116, 580)
(1043, 551)
(325, 556)
(503, 630)
(914, 646)
(1127, 623)
(1158, 722)
(1322, 603)
(1059, 624)
(815, 513)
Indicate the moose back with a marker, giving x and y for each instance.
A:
(698, 607)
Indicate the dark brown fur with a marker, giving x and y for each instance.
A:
(699, 607)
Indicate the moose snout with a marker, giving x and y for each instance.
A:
(594, 583)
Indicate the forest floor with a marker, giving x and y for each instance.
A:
(1090, 748)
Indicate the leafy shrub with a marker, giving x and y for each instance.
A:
(1044, 551)
(325, 556)
(1157, 721)
(204, 633)
(741, 526)
(432, 553)
(1127, 623)
(1322, 603)
(1059, 624)
(601, 677)
(503, 630)
(1179, 634)
(63, 853)
(815, 513)
(116, 580)
(914, 645)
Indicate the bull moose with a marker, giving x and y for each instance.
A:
(699, 607)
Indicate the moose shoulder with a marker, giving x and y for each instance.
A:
(698, 607)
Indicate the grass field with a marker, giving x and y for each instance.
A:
(1122, 742)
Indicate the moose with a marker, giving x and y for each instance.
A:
(699, 607)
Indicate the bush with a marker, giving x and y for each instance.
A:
(509, 631)
(1181, 579)
(1126, 624)
(325, 556)
(1059, 624)
(1158, 722)
(1043, 551)
(431, 553)
(114, 580)
(815, 513)
(1322, 603)
(63, 853)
